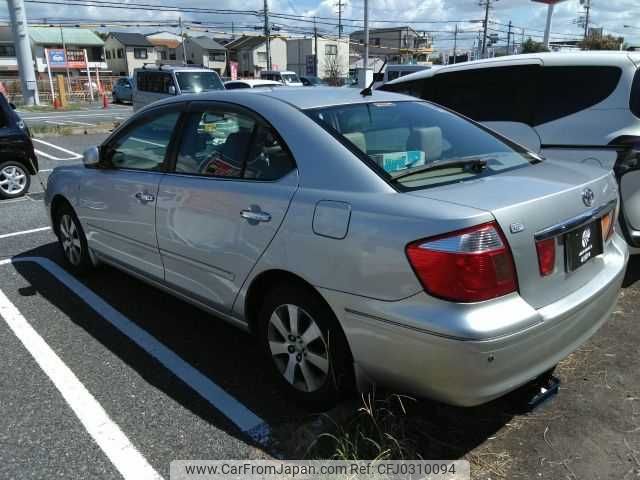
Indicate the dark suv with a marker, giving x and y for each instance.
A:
(17, 157)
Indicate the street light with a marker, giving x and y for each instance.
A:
(551, 5)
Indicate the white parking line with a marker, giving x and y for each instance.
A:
(81, 123)
(113, 442)
(65, 116)
(235, 411)
(24, 232)
(55, 123)
(74, 155)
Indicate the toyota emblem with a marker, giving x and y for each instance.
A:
(588, 196)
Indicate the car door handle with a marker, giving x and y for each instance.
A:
(145, 197)
(255, 216)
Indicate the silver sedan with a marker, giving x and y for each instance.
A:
(363, 238)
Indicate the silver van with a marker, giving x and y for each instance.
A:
(152, 83)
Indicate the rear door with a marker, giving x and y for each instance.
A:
(117, 203)
(224, 200)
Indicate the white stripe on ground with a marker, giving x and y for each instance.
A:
(81, 123)
(24, 232)
(51, 145)
(241, 416)
(51, 157)
(113, 442)
(64, 116)
(55, 123)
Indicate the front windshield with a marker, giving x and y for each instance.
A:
(290, 78)
(196, 82)
(398, 136)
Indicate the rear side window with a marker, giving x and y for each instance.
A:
(568, 90)
(634, 101)
(235, 85)
(154, 82)
(501, 94)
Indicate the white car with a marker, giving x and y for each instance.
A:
(579, 107)
(251, 83)
(285, 77)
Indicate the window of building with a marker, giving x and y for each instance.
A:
(163, 54)
(330, 49)
(7, 51)
(108, 54)
(262, 56)
(140, 53)
(172, 55)
(376, 42)
(216, 56)
(120, 53)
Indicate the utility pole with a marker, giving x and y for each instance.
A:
(455, 44)
(267, 34)
(487, 5)
(340, 6)
(23, 52)
(184, 48)
(66, 59)
(315, 48)
(366, 34)
(587, 10)
(509, 38)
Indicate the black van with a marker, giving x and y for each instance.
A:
(18, 160)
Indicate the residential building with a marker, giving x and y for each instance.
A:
(168, 47)
(332, 58)
(207, 52)
(125, 52)
(8, 61)
(77, 41)
(395, 44)
(251, 54)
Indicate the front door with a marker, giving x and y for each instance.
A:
(225, 199)
(117, 202)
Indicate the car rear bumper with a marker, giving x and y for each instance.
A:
(471, 355)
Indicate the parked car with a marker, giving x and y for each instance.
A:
(362, 239)
(152, 83)
(250, 83)
(579, 107)
(311, 81)
(122, 90)
(286, 77)
(18, 160)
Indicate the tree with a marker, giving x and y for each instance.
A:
(333, 70)
(602, 42)
(531, 46)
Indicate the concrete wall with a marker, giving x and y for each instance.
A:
(298, 51)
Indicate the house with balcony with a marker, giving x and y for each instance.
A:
(251, 54)
(395, 44)
(207, 52)
(124, 52)
(168, 48)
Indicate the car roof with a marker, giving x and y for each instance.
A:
(302, 98)
(555, 59)
(172, 68)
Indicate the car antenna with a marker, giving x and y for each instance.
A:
(366, 92)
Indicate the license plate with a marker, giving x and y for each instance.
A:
(582, 244)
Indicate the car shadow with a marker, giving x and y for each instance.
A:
(633, 272)
(230, 358)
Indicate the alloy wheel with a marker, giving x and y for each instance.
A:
(298, 348)
(13, 179)
(70, 239)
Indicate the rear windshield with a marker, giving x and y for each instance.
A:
(290, 77)
(196, 82)
(405, 139)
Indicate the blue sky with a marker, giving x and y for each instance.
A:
(610, 14)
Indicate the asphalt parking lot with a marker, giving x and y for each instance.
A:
(88, 116)
(106, 377)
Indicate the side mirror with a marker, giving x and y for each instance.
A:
(12, 105)
(91, 157)
(172, 90)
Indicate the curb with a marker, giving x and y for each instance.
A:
(64, 130)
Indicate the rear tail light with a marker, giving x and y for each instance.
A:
(608, 222)
(546, 256)
(469, 265)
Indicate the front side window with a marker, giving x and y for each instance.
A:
(196, 82)
(418, 145)
(290, 78)
(140, 53)
(144, 146)
(219, 143)
(154, 82)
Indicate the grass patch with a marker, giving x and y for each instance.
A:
(49, 108)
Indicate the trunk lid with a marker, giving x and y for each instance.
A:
(536, 198)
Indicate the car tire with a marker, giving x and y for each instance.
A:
(115, 98)
(15, 179)
(311, 361)
(72, 240)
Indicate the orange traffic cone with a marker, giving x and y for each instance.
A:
(56, 103)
